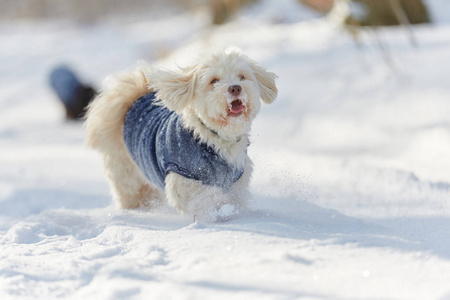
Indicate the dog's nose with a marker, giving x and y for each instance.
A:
(235, 89)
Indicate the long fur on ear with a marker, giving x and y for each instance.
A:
(174, 90)
(266, 82)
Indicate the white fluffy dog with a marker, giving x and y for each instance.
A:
(211, 105)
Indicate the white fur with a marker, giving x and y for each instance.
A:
(204, 108)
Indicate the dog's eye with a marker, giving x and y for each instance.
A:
(214, 81)
(241, 77)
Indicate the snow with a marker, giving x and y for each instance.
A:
(351, 190)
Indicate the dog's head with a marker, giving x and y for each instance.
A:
(223, 91)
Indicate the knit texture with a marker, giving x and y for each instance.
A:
(158, 143)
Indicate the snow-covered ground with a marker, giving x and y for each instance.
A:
(351, 190)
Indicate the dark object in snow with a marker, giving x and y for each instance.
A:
(377, 12)
(71, 92)
(158, 143)
(388, 13)
(223, 11)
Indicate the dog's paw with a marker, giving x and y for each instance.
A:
(212, 212)
(224, 213)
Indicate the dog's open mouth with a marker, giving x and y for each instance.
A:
(236, 108)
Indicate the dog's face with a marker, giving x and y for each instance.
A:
(223, 91)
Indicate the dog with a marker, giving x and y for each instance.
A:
(181, 135)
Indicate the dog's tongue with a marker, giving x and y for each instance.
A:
(236, 107)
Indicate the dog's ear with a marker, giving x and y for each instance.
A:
(266, 81)
(174, 89)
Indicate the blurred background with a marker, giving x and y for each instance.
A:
(369, 12)
(171, 22)
(155, 28)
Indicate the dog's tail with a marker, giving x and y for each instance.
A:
(106, 114)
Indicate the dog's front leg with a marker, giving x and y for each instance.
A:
(207, 203)
(239, 191)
